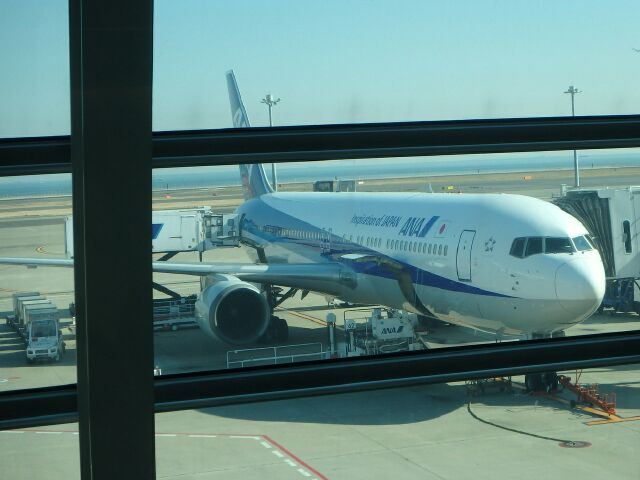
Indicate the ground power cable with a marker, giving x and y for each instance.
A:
(570, 443)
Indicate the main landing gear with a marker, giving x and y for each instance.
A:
(278, 329)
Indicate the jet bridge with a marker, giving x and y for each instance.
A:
(184, 230)
(612, 217)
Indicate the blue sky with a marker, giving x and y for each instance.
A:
(343, 61)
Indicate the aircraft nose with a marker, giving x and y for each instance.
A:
(580, 286)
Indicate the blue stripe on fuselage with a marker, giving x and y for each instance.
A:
(276, 226)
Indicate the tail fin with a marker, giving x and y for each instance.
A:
(254, 180)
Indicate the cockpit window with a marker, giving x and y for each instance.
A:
(558, 245)
(534, 245)
(582, 243)
(517, 247)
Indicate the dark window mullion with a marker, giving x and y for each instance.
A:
(330, 142)
(111, 75)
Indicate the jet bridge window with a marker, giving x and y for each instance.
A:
(558, 245)
(626, 236)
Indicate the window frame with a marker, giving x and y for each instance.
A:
(284, 144)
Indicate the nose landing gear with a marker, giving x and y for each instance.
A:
(536, 382)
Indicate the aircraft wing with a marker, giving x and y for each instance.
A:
(325, 277)
(37, 262)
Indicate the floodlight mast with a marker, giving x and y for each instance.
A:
(573, 92)
(271, 102)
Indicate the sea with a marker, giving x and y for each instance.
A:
(212, 177)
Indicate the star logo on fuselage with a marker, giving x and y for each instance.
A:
(489, 244)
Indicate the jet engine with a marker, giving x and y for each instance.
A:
(232, 310)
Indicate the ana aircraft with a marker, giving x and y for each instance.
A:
(508, 264)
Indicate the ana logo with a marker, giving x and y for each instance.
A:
(417, 226)
(155, 230)
(442, 228)
(387, 331)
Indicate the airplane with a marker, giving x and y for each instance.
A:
(502, 263)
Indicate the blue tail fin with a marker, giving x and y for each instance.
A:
(254, 180)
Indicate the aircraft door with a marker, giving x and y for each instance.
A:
(326, 240)
(463, 257)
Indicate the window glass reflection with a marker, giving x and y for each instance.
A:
(416, 432)
(37, 326)
(396, 263)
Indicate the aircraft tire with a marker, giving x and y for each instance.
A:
(282, 329)
(550, 380)
(533, 382)
(271, 333)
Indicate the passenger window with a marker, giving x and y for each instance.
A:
(534, 246)
(429, 249)
(446, 247)
(558, 245)
(626, 236)
(582, 244)
(517, 247)
(439, 249)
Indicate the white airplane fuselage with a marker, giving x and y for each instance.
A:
(446, 255)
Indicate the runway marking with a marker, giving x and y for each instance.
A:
(291, 455)
(267, 442)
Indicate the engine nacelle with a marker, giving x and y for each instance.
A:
(232, 310)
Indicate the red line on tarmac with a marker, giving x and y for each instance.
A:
(265, 437)
(297, 459)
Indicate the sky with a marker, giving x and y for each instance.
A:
(342, 61)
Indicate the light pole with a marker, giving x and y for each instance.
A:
(573, 92)
(270, 102)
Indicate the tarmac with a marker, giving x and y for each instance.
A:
(444, 431)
